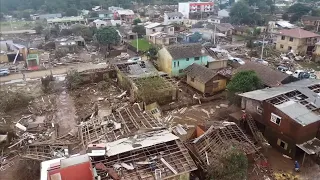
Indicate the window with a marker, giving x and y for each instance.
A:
(180, 17)
(275, 119)
(180, 70)
(192, 79)
(289, 48)
(153, 30)
(187, 59)
(281, 46)
(291, 39)
(174, 64)
(196, 58)
(169, 18)
(154, 111)
(282, 144)
(178, 64)
(259, 110)
(283, 37)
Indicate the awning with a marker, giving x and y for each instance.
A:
(310, 147)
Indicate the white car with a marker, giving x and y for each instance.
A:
(133, 59)
(261, 61)
(236, 60)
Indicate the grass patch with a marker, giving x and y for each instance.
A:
(143, 44)
(16, 25)
(310, 65)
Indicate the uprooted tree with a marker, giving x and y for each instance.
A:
(232, 164)
(241, 82)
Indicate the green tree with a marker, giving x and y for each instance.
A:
(152, 52)
(241, 13)
(71, 12)
(298, 11)
(94, 14)
(232, 164)
(285, 16)
(81, 30)
(241, 82)
(315, 12)
(107, 36)
(136, 21)
(39, 28)
(139, 29)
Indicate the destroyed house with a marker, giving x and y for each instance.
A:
(205, 80)
(145, 83)
(115, 126)
(145, 156)
(288, 115)
(265, 73)
(69, 44)
(219, 137)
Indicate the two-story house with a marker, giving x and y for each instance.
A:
(288, 115)
(125, 15)
(173, 17)
(296, 40)
(157, 33)
(175, 59)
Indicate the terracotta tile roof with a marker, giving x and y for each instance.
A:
(268, 76)
(298, 33)
(186, 50)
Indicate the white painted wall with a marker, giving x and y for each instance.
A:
(184, 8)
(167, 21)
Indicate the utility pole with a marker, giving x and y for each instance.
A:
(214, 34)
(262, 47)
(318, 26)
(137, 44)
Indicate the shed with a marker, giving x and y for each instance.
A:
(205, 80)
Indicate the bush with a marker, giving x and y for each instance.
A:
(13, 100)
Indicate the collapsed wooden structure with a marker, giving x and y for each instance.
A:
(116, 126)
(207, 148)
(152, 155)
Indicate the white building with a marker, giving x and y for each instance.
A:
(223, 13)
(153, 28)
(215, 19)
(173, 17)
(99, 23)
(195, 7)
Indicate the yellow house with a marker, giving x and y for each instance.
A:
(205, 80)
(297, 40)
(316, 53)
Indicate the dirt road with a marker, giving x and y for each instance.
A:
(55, 71)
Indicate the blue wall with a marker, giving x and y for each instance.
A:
(181, 64)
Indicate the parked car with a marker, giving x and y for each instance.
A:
(133, 59)
(4, 72)
(282, 69)
(236, 60)
(261, 61)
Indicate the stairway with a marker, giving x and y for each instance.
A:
(258, 136)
